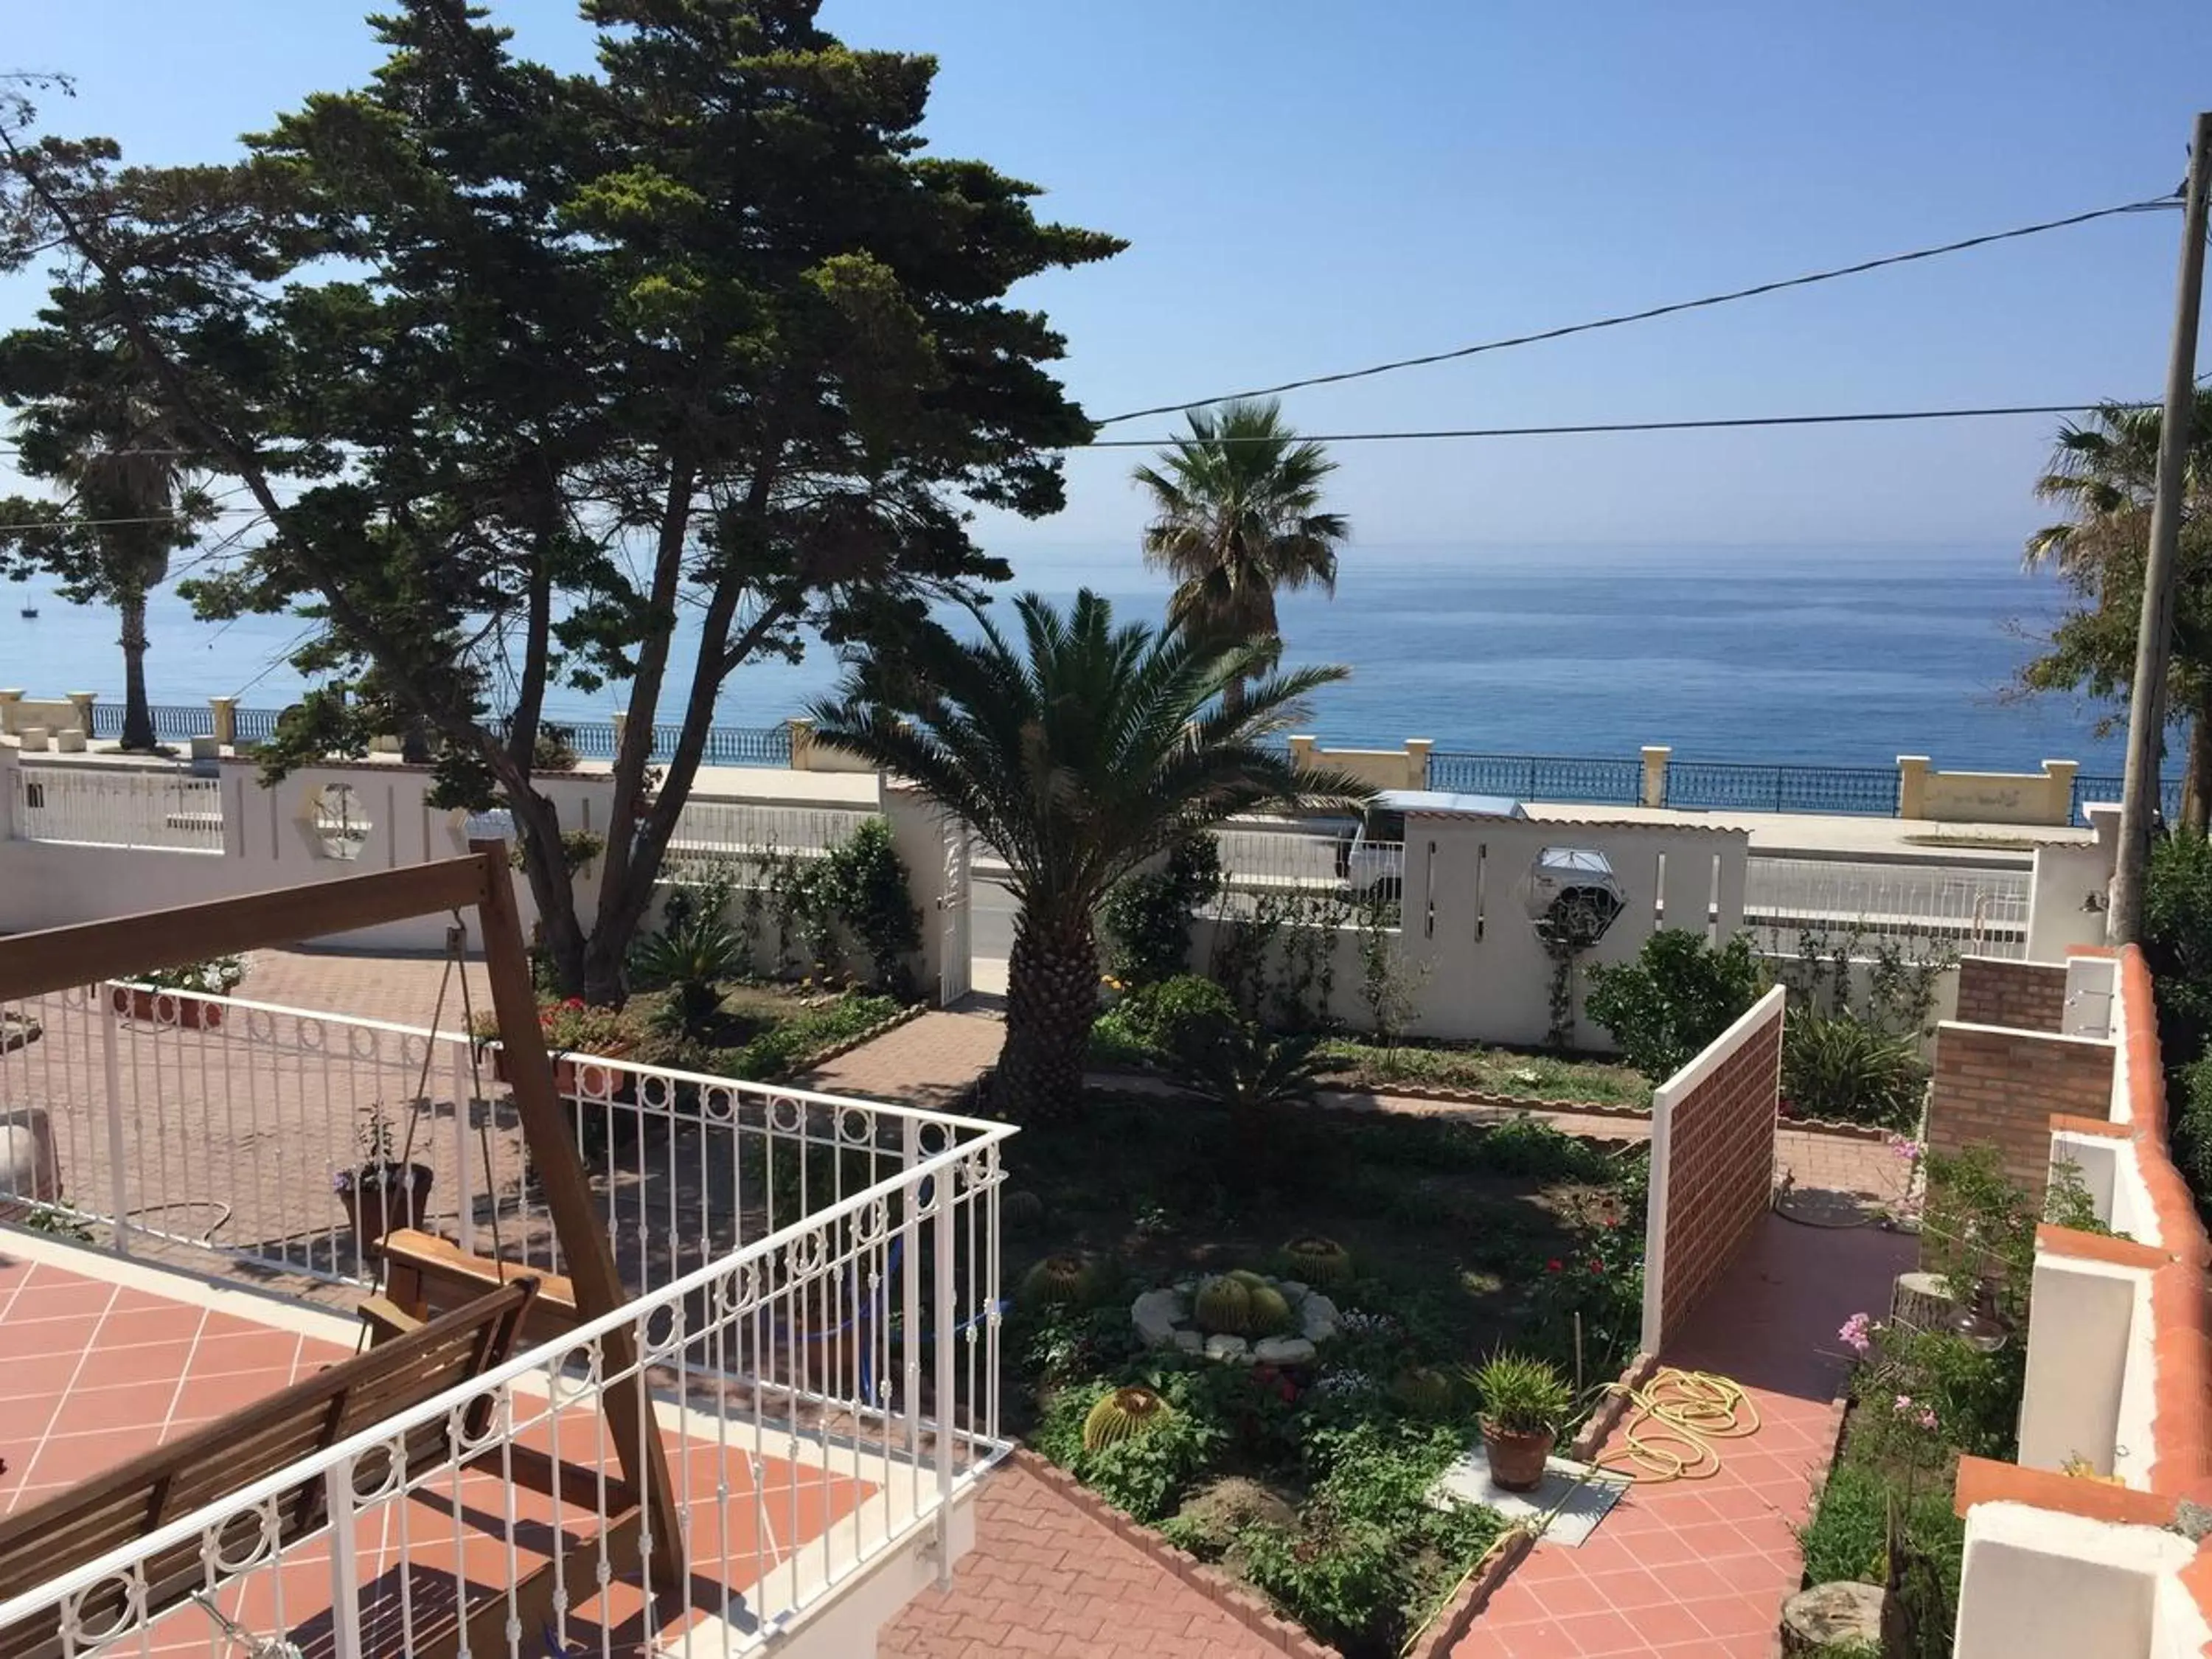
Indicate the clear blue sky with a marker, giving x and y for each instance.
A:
(1310, 187)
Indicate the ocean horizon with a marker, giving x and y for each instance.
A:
(1840, 655)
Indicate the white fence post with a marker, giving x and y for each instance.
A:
(119, 1203)
(947, 1407)
(345, 1567)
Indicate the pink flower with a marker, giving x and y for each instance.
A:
(1926, 1420)
(1906, 1147)
(1904, 1404)
(1855, 1335)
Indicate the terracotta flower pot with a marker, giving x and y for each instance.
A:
(187, 1012)
(1516, 1460)
(375, 1207)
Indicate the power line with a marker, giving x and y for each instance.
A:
(1852, 417)
(2148, 204)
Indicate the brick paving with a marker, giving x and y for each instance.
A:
(928, 1062)
(1044, 1577)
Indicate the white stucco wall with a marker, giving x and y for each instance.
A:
(2037, 1584)
(2083, 1342)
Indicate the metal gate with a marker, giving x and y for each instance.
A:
(955, 946)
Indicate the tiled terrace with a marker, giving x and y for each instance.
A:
(102, 1360)
(1701, 1568)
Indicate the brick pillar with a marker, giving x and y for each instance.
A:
(1655, 757)
(1913, 786)
(1999, 1086)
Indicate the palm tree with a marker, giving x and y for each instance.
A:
(2104, 471)
(90, 427)
(1236, 516)
(1077, 753)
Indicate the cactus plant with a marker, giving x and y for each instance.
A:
(1122, 1414)
(1313, 1259)
(1223, 1307)
(1270, 1313)
(1422, 1388)
(1060, 1278)
(1248, 1279)
(1021, 1209)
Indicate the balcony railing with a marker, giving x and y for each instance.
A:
(104, 806)
(816, 1306)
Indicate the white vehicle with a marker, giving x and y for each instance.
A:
(1371, 857)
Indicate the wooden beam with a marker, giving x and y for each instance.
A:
(55, 958)
(598, 1284)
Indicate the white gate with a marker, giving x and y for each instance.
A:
(956, 951)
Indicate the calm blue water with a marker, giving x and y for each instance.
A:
(1836, 654)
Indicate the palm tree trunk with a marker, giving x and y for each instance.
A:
(2197, 782)
(1052, 995)
(137, 716)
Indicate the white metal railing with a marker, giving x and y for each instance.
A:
(1283, 862)
(745, 830)
(867, 1333)
(227, 1124)
(109, 806)
(1789, 902)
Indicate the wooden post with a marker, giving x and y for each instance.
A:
(568, 1199)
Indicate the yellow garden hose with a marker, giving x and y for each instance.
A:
(1677, 1417)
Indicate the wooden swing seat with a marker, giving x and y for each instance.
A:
(425, 1276)
(113, 1510)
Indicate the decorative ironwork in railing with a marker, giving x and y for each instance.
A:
(1709, 785)
(1589, 779)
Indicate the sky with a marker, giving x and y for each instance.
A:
(1310, 187)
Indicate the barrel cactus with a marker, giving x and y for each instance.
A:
(1422, 1388)
(1314, 1260)
(1223, 1307)
(1123, 1414)
(1056, 1281)
(1270, 1313)
(1021, 1209)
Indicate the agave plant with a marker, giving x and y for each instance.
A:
(692, 957)
(1247, 1072)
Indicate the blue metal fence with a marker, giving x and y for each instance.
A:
(1708, 785)
(1593, 781)
(2106, 786)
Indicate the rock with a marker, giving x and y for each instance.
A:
(1284, 1351)
(1156, 1314)
(1317, 1318)
(1190, 1341)
(1292, 1291)
(1828, 1615)
(1226, 1347)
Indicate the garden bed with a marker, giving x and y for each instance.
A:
(1486, 1075)
(764, 1031)
(1309, 1482)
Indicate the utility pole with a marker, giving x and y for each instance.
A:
(2155, 634)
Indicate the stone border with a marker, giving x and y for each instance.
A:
(844, 1045)
(1247, 1607)
(1831, 1126)
(1444, 1094)
(1449, 1625)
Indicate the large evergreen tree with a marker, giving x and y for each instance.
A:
(526, 368)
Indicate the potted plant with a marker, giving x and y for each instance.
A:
(177, 992)
(380, 1192)
(568, 1026)
(1524, 1400)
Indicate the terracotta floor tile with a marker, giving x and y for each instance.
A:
(1597, 1633)
(1633, 1588)
(127, 1406)
(144, 1325)
(1736, 1615)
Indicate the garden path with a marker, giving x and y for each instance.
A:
(1702, 1568)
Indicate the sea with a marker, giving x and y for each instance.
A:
(1843, 655)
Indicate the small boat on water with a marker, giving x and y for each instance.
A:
(31, 612)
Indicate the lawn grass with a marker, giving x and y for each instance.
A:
(1506, 1072)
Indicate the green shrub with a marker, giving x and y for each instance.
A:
(863, 882)
(690, 956)
(1520, 1393)
(1836, 1065)
(1145, 920)
(1846, 1538)
(1178, 1018)
(792, 1045)
(2177, 941)
(1147, 1475)
(1531, 1148)
(2192, 1125)
(1677, 996)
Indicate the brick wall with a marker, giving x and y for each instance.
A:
(2001, 1087)
(1716, 1138)
(2030, 996)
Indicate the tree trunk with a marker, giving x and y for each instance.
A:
(138, 717)
(1052, 995)
(2197, 782)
